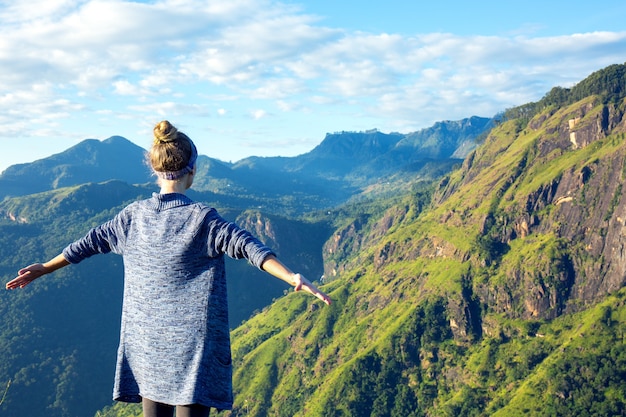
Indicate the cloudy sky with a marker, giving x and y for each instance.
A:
(271, 78)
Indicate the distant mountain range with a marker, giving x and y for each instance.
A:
(89, 161)
(329, 174)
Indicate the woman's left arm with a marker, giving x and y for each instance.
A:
(275, 267)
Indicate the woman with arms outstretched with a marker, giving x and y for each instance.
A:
(174, 351)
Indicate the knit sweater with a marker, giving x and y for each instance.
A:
(174, 342)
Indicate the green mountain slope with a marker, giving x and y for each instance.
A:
(505, 297)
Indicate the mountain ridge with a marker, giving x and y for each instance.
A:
(90, 159)
(352, 154)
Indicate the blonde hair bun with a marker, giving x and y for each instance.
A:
(164, 132)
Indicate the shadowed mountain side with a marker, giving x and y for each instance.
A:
(89, 161)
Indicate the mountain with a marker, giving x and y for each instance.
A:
(361, 156)
(327, 176)
(452, 139)
(89, 161)
(497, 291)
(62, 334)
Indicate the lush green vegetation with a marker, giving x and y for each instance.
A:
(121, 410)
(462, 309)
(574, 365)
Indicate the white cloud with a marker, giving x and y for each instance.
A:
(170, 108)
(259, 114)
(63, 59)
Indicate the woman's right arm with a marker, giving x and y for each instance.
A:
(27, 275)
(101, 239)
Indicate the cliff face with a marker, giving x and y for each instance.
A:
(534, 221)
(562, 187)
(357, 236)
(583, 205)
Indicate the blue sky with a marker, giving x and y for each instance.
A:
(269, 78)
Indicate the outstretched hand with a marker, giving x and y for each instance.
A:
(303, 284)
(27, 275)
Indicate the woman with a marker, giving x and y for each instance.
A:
(174, 351)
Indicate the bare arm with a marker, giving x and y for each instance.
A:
(27, 275)
(273, 266)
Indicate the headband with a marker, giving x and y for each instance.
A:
(174, 175)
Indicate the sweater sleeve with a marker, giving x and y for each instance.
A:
(105, 238)
(228, 238)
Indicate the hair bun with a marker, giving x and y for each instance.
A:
(164, 132)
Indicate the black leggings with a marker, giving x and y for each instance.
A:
(154, 409)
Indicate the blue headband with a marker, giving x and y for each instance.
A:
(174, 175)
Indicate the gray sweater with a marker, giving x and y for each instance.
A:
(174, 343)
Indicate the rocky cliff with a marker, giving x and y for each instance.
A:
(533, 221)
(577, 205)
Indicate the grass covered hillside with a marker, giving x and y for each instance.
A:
(504, 296)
